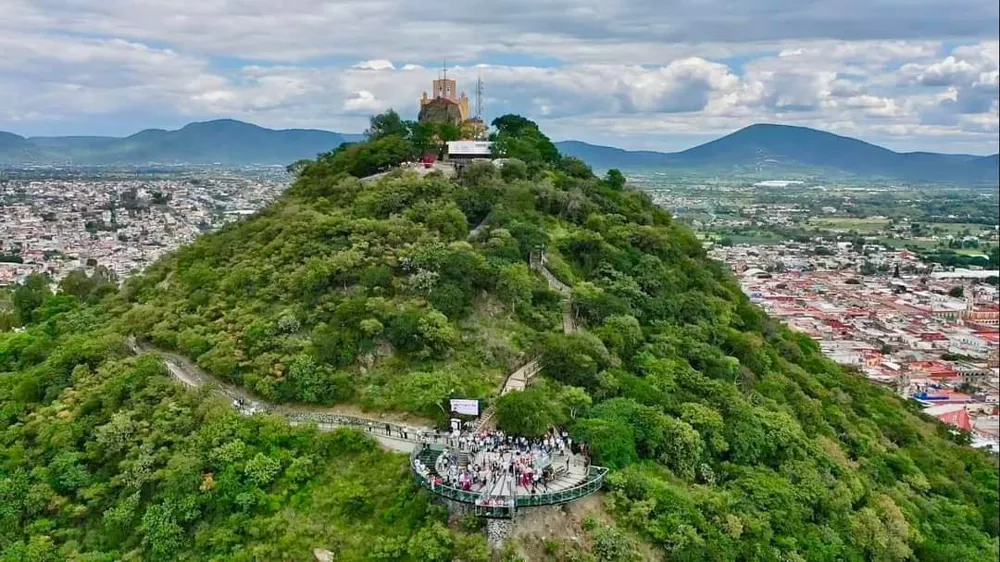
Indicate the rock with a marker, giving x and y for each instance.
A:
(322, 555)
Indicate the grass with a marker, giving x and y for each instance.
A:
(761, 239)
(969, 252)
(956, 227)
(861, 225)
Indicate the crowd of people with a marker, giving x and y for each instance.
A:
(501, 466)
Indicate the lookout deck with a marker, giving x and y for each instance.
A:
(578, 482)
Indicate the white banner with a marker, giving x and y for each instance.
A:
(467, 407)
(479, 148)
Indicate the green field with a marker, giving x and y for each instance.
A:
(861, 225)
(969, 252)
(956, 227)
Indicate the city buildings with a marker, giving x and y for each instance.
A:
(930, 337)
(53, 226)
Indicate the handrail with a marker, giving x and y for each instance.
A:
(418, 434)
(593, 483)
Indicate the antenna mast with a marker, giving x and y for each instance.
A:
(479, 96)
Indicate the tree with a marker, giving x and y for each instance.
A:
(514, 285)
(296, 168)
(615, 179)
(385, 125)
(881, 531)
(574, 359)
(612, 442)
(76, 283)
(514, 169)
(517, 137)
(575, 400)
(575, 167)
(529, 413)
(957, 291)
(622, 334)
(433, 544)
(29, 296)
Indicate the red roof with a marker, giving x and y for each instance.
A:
(990, 336)
(959, 419)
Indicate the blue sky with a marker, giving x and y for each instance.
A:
(652, 74)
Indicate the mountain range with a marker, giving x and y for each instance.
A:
(223, 141)
(761, 149)
(766, 150)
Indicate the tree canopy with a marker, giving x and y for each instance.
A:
(731, 438)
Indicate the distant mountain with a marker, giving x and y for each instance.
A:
(10, 141)
(765, 150)
(780, 149)
(223, 141)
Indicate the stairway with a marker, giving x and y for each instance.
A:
(519, 379)
(429, 457)
(486, 421)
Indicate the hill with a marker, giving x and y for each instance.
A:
(730, 437)
(781, 149)
(223, 141)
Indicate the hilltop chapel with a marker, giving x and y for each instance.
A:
(446, 105)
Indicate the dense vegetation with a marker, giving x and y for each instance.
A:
(732, 438)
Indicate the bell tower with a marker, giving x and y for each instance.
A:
(443, 87)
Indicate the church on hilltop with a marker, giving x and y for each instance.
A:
(446, 104)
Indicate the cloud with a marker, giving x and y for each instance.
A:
(966, 86)
(365, 102)
(297, 30)
(375, 64)
(640, 72)
(947, 72)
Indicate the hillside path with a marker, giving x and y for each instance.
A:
(519, 379)
(395, 432)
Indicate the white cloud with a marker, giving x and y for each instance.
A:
(947, 72)
(375, 64)
(364, 101)
(590, 69)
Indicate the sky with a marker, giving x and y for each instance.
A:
(639, 74)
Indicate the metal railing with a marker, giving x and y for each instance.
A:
(593, 483)
(369, 425)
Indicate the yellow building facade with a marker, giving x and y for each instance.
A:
(447, 89)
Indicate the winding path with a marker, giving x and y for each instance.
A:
(390, 433)
(403, 437)
(519, 379)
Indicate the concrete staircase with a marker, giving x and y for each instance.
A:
(520, 378)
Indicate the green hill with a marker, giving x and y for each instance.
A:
(730, 438)
(222, 141)
(766, 149)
